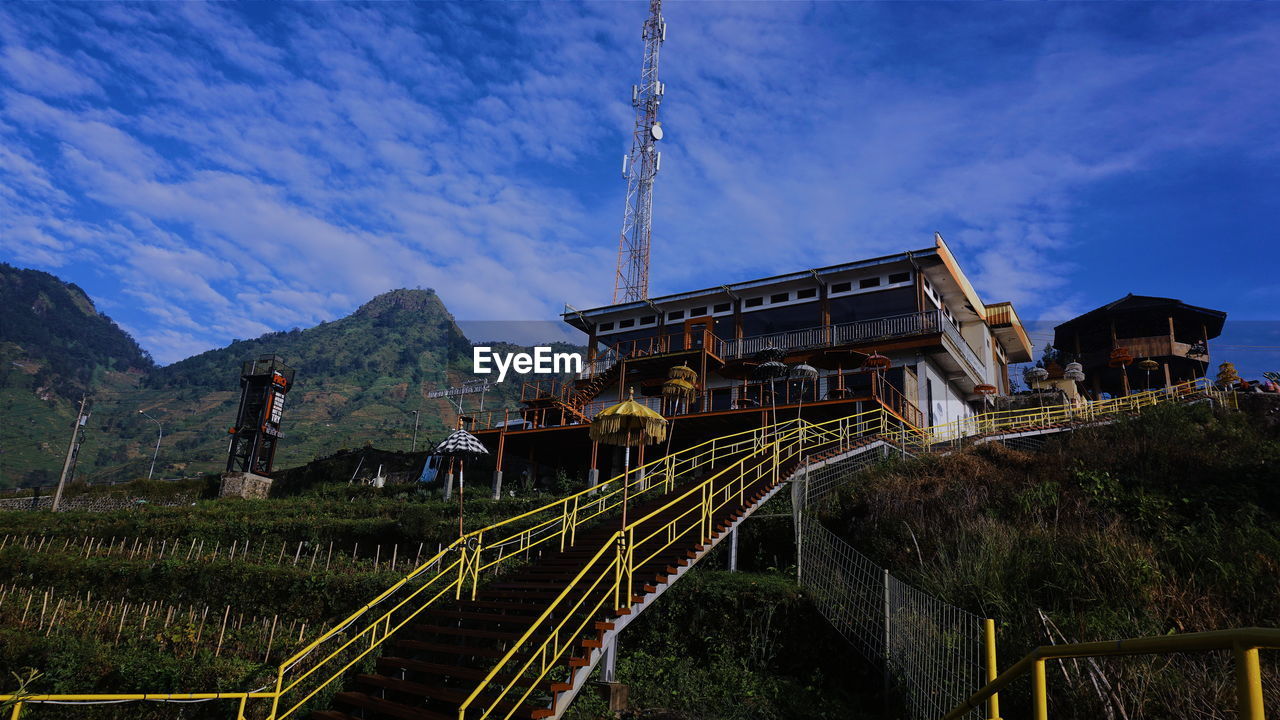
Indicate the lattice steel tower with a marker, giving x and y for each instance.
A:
(639, 168)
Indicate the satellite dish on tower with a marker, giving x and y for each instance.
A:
(656, 131)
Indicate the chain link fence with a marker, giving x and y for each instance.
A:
(932, 650)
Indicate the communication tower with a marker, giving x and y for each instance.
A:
(640, 166)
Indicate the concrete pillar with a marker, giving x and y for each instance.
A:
(448, 485)
(641, 480)
(497, 484)
(593, 479)
(733, 550)
(609, 664)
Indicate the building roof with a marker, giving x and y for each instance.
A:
(1140, 304)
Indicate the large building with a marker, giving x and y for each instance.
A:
(1169, 332)
(946, 352)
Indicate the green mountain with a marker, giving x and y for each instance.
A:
(359, 379)
(54, 346)
(54, 337)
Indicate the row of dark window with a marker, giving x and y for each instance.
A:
(802, 294)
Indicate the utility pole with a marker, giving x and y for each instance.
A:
(71, 450)
(159, 437)
(415, 432)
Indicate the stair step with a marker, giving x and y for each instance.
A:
(448, 695)
(388, 665)
(465, 632)
(445, 649)
(505, 617)
(389, 708)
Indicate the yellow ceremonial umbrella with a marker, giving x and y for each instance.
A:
(626, 424)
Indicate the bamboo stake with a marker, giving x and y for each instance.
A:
(226, 614)
(195, 647)
(272, 638)
(395, 550)
(329, 557)
(54, 618)
(124, 610)
(297, 554)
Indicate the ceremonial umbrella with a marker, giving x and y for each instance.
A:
(770, 352)
(839, 360)
(738, 370)
(770, 370)
(459, 446)
(1148, 365)
(1074, 371)
(628, 423)
(680, 385)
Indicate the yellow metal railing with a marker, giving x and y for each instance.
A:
(1244, 645)
(463, 565)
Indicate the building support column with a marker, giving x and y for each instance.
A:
(733, 550)
(497, 465)
(593, 474)
(614, 692)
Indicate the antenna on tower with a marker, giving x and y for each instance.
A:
(631, 283)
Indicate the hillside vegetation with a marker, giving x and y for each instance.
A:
(1166, 523)
(157, 599)
(358, 381)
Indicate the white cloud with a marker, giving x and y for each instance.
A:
(278, 170)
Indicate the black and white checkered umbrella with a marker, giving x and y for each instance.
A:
(461, 443)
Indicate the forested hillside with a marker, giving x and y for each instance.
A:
(359, 379)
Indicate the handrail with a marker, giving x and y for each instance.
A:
(1243, 642)
(459, 565)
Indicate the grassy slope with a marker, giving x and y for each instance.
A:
(1167, 523)
(721, 645)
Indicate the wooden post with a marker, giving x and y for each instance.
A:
(222, 631)
(271, 639)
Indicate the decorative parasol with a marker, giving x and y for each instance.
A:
(683, 372)
(877, 362)
(1148, 365)
(1035, 374)
(676, 391)
(459, 446)
(839, 360)
(1121, 358)
(804, 373)
(1074, 371)
(770, 352)
(770, 370)
(626, 424)
(738, 370)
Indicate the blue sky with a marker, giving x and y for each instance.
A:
(216, 171)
